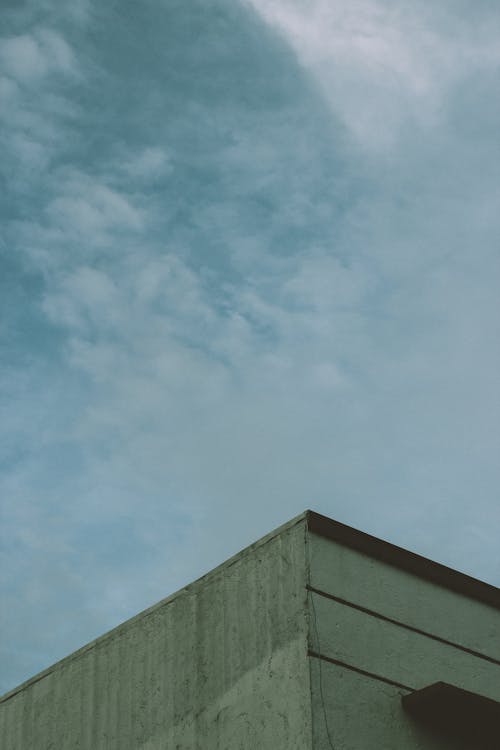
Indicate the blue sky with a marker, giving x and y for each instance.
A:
(249, 265)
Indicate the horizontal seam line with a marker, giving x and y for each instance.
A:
(404, 625)
(364, 672)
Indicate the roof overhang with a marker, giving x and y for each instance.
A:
(403, 559)
(455, 712)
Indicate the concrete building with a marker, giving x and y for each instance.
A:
(316, 637)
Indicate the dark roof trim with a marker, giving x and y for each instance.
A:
(403, 559)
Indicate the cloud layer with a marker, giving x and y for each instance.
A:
(250, 265)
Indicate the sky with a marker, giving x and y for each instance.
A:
(249, 265)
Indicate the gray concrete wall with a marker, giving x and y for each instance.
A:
(220, 665)
(358, 701)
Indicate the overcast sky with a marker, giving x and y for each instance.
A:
(249, 265)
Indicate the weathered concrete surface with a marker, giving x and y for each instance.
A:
(362, 711)
(221, 665)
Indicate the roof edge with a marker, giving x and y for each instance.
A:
(399, 557)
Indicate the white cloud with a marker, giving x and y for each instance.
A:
(89, 208)
(150, 163)
(30, 57)
(23, 57)
(86, 296)
(57, 51)
(8, 92)
(32, 154)
(35, 110)
(381, 64)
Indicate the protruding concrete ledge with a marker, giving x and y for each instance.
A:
(451, 710)
(401, 558)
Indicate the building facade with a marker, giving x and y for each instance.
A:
(316, 637)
